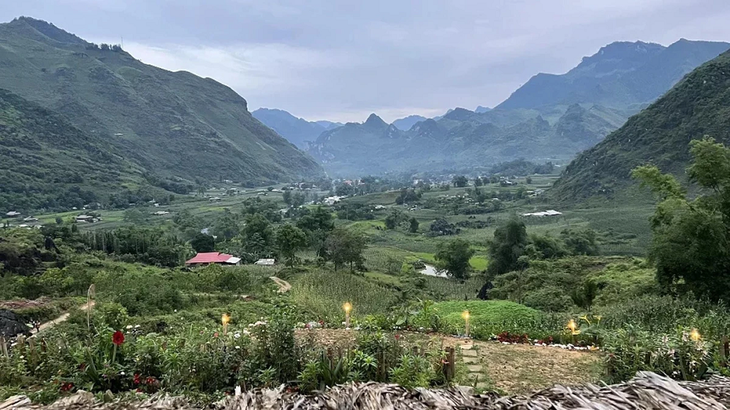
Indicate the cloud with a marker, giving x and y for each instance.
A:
(323, 59)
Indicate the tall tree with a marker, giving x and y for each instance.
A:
(460, 181)
(289, 240)
(317, 224)
(507, 246)
(346, 247)
(691, 237)
(454, 257)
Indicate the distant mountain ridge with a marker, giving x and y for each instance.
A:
(619, 75)
(297, 130)
(174, 126)
(699, 105)
(552, 117)
(405, 124)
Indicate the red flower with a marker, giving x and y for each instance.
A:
(137, 379)
(215, 334)
(397, 337)
(67, 386)
(118, 338)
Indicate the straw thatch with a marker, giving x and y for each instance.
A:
(646, 391)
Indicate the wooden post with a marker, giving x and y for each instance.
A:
(450, 365)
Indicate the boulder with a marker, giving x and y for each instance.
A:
(12, 325)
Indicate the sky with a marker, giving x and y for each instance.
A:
(341, 60)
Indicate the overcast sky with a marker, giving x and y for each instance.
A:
(341, 60)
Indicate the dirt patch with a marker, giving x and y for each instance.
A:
(24, 303)
(516, 369)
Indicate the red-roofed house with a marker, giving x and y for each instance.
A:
(206, 258)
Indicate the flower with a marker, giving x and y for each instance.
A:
(137, 379)
(118, 338)
(215, 334)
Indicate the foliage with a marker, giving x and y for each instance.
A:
(441, 227)
(345, 247)
(508, 245)
(690, 242)
(203, 243)
(289, 240)
(454, 256)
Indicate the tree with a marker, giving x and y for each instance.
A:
(507, 246)
(454, 257)
(289, 240)
(133, 216)
(317, 224)
(691, 237)
(580, 242)
(346, 247)
(528, 180)
(459, 181)
(395, 218)
(478, 181)
(287, 197)
(413, 227)
(203, 243)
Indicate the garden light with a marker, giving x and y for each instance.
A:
(695, 335)
(573, 327)
(347, 307)
(224, 320)
(465, 314)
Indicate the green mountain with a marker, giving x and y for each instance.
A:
(298, 131)
(49, 163)
(175, 126)
(551, 118)
(697, 106)
(621, 74)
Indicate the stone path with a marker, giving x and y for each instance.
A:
(470, 357)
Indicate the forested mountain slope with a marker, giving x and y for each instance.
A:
(699, 105)
(174, 125)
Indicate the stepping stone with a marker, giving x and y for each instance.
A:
(469, 353)
(474, 376)
(470, 359)
(474, 368)
(483, 386)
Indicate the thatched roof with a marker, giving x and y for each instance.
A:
(647, 391)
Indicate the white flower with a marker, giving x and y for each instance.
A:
(237, 335)
(121, 373)
(238, 347)
(129, 326)
(136, 326)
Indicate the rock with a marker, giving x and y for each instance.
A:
(12, 325)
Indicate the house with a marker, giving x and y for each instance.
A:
(12, 214)
(215, 199)
(265, 262)
(160, 213)
(85, 218)
(207, 258)
(549, 212)
(329, 201)
(30, 219)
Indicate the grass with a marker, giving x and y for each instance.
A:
(321, 294)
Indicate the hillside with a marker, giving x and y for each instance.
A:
(621, 74)
(699, 105)
(173, 125)
(47, 162)
(298, 131)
